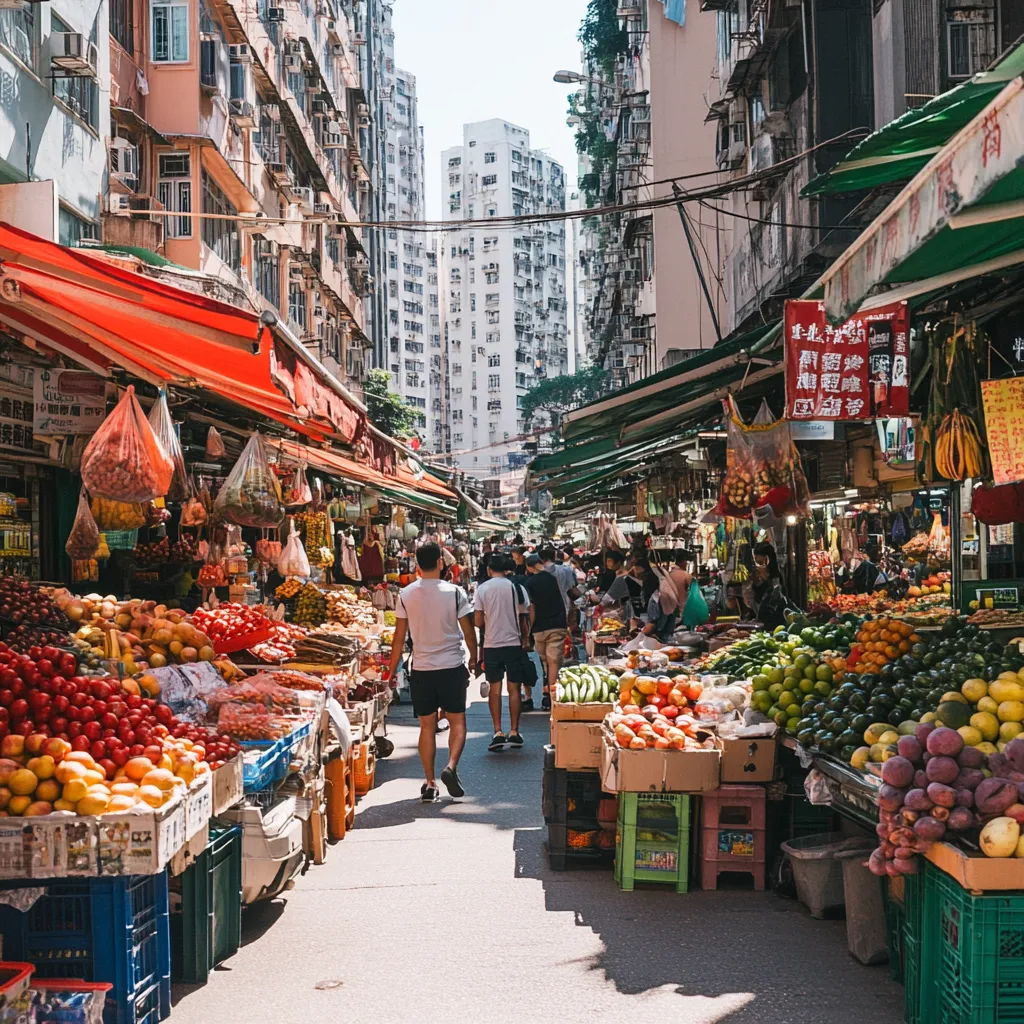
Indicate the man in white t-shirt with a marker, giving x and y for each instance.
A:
(437, 617)
(502, 616)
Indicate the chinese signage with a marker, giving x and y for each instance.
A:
(856, 371)
(1004, 423)
(68, 402)
(15, 419)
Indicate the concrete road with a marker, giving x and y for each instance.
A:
(450, 912)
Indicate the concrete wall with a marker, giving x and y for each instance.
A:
(682, 59)
(63, 147)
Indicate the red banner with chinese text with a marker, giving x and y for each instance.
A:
(859, 370)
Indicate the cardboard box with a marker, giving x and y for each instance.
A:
(140, 842)
(748, 760)
(977, 872)
(658, 771)
(186, 856)
(198, 804)
(580, 712)
(228, 787)
(577, 744)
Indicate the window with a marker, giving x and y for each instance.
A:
(413, 326)
(493, 336)
(472, 302)
(72, 228)
(494, 360)
(121, 27)
(489, 179)
(517, 157)
(297, 307)
(80, 94)
(222, 236)
(393, 289)
(169, 35)
(971, 45)
(490, 158)
(392, 260)
(494, 380)
(18, 33)
(492, 211)
(493, 316)
(266, 274)
(174, 190)
(472, 329)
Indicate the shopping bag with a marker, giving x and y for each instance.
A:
(84, 537)
(124, 460)
(293, 560)
(163, 426)
(695, 611)
(214, 445)
(250, 496)
(298, 491)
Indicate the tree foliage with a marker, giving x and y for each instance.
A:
(387, 410)
(601, 34)
(560, 394)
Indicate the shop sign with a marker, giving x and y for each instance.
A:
(813, 430)
(68, 402)
(1003, 401)
(897, 441)
(15, 420)
(998, 597)
(856, 371)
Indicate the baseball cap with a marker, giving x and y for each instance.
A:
(533, 559)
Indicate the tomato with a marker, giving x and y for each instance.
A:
(59, 724)
(119, 756)
(79, 700)
(93, 730)
(45, 667)
(74, 728)
(19, 708)
(38, 699)
(80, 743)
(100, 690)
(35, 653)
(97, 749)
(88, 714)
(6, 698)
(134, 701)
(8, 677)
(137, 749)
(60, 703)
(109, 721)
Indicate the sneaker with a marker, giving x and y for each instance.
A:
(443, 725)
(515, 740)
(450, 778)
(429, 794)
(545, 704)
(498, 741)
(528, 705)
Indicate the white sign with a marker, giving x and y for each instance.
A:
(68, 402)
(812, 430)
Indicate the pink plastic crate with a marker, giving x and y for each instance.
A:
(739, 806)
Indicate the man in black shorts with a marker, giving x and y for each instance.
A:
(437, 617)
(502, 608)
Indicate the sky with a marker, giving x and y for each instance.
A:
(479, 59)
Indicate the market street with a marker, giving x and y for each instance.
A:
(450, 912)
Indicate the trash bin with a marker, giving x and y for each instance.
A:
(817, 873)
(865, 909)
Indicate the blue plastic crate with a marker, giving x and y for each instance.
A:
(100, 929)
(273, 762)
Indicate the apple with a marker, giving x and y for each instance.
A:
(34, 743)
(57, 748)
(12, 746)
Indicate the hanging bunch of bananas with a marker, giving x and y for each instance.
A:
(742, 573)
(958, 447)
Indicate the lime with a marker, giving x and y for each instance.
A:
(761, 682)
(775, 689)
(781, 718)
(823, 689)
(761, 700)
(785, 698)
(811, 672)
(776, 675)
(806, 686)
(824, 674)
(802, 661)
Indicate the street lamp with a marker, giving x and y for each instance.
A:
(568, 77)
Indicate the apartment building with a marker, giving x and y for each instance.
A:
(179, 117)
(503, 293)
(413, 327)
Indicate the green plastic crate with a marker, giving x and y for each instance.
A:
(208, 928)
(971, 964)
(653, 840)
(903, 899)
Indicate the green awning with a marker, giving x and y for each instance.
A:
(897, 151)
(416, 499)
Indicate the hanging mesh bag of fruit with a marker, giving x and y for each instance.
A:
(250, 495)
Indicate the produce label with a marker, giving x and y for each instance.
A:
(1004, 424)
(736, 844)
(656, 860)
(68, 402)
(856, 371)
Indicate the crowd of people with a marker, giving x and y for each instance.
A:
(514, 631)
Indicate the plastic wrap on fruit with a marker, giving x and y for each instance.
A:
(84, 537)
(214, 445)
(124, 460)
(117, 515)
(250, 495)
(163, 427)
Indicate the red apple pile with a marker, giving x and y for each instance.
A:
(230, 621)
(42, 696)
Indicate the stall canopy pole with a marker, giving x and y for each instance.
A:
(955, 546)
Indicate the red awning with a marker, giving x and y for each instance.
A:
(102, 315)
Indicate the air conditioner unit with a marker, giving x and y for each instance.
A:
(358, 38)
(119, 205)
(304, 197)
(239, 53)
(243, 113)
(331, 140)
(323, 209)
(126, 158)
(293, 62)
(73, 54)
(293, 46)
(275, 14)
(362, 110)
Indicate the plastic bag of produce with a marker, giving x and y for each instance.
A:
(84, 537)
(695, 611)
(268, 551)
(117, 515)
(762, 466)
(298, 491)
(214, 445)
(163, 426)
(250, 495)
(193, 512)
(124, 460)
(293, 560)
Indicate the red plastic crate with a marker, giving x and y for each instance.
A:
(734, 806)
(733, 849)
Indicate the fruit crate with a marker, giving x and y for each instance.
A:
(206, 924)
(902, 897)
(264, 764)
(570, 796)
(653, 840)
(563, 851)
(100, 929)
(971, 956)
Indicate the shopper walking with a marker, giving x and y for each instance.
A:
(437, 618)
(564, 574)
(502, 616)
(548, 623)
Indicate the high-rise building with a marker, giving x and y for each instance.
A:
(503, 293)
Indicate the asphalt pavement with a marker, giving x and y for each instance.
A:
(435, 913)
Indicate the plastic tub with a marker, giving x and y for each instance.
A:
(817, 873)
(865, 909)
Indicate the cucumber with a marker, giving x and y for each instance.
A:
(575, 691)
(558, 693)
